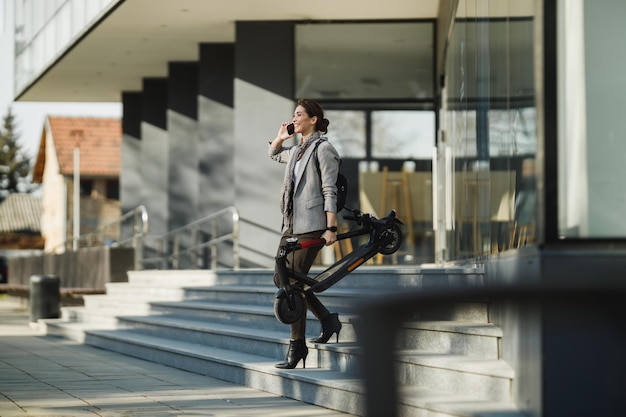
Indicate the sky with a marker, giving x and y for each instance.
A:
(30, 116)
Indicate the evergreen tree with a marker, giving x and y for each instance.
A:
(14, 162)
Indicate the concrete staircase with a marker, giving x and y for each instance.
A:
(222, 324)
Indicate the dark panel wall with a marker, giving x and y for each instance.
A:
(130, 176)
(216, 70)
(182, 124)
(183, 88)
(131, 117)
(215, 128)
(264, 89)
(263, 46)
(154, 104)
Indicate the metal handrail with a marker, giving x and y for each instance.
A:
(192, 231)
(254, 249)
(140, 228)
(167, 258)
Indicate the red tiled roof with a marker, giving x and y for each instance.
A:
(99, 140)
(20, 213)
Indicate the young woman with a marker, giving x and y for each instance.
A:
(308, 205)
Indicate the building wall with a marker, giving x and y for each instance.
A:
(154, 155)
(131, 180)
(216, 128)
(182, 128)
(263, 90)
(96, 211)
(54, 200)
(191, 167)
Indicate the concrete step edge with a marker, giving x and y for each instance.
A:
(487, 367)
(332, 379)
(413, 396)
(438, 401)
(471, 328)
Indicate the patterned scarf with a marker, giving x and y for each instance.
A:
(286, 193)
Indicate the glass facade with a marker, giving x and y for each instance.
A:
(44, 29)
(486, 155)
(365, 61)
(591, 63)
(376, 82)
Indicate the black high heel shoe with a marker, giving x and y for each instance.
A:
(330, 325)
(297, 350)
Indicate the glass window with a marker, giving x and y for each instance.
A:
(488, 147)
(113, 190)
(403, 134)
(2, 7)
(86, 186)
(512, 132)
(63, 24)
(591, 124)
(347, 133)
(339, 61)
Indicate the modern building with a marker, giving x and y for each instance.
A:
(492, 126)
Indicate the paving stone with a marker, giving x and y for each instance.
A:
(51, 377)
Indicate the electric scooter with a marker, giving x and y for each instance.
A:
(385, 237)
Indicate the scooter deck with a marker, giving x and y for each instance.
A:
(344, 266)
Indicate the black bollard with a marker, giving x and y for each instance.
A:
(44, 297)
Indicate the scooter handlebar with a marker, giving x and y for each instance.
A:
(312, 242)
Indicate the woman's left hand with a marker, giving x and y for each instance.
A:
(329, 237)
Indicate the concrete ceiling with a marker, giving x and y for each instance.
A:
(140, 37)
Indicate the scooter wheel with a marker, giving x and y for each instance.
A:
(282, 311)
(395, 236)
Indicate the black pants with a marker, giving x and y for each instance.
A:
(301, 261)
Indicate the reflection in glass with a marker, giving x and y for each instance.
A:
(512, 132)
(489, 120)
(44, 29)
(403, 134)
(591, 122)
(346, 131)
(365, 60)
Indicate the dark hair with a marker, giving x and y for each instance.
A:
(313, 108)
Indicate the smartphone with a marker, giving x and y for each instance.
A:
(290, 128)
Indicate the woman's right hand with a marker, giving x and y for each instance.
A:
(282, 136)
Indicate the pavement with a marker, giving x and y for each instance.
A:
(44, 376)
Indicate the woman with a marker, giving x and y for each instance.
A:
(309, 208)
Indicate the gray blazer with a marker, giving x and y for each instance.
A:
(314, 193)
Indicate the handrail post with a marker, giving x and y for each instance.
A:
(235, 239)
(160, 253)
(194, 248)
(138, 250)
(139, 213)
(137, 244)
(176, 252)
(214, 245)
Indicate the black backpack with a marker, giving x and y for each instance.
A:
(342, 182)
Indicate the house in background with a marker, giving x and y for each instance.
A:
(97, 142)
(20, 222)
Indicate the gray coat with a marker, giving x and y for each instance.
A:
(314, 193)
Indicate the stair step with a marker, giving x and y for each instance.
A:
(179, 277)
(485, 379)
(474, 340)
(417, 401)
(331, 389)
(372, 277)
(222, 324)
